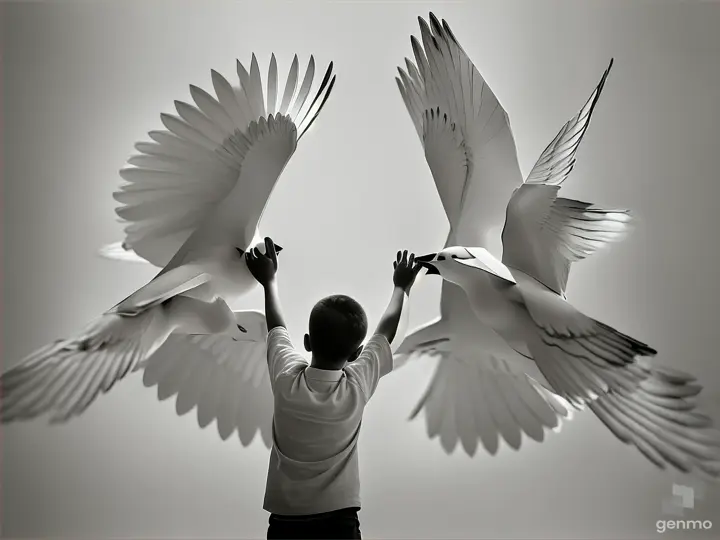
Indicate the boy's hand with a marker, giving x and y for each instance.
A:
(263, 267)
(406, 270)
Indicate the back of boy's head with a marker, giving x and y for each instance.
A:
(338, 326)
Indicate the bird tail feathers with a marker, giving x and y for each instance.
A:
(469, 403)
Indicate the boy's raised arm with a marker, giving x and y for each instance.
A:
(406, 270)
(273, 312)
(263, 268)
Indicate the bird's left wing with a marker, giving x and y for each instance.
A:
(224, 380)
(544, 233)
(464, 130)
(219, 159)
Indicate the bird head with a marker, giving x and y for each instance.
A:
(445, 263)
(459, 265)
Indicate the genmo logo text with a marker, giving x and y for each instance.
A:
(682, 524)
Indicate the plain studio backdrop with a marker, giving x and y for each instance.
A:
(84, 81)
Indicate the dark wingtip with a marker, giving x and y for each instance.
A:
(435, 24)
(449, 32)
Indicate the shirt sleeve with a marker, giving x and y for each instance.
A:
(281, 355)
(374, 362)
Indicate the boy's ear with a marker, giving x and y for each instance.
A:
(354, 356)
(306, 341)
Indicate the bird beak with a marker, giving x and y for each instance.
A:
(426, 262)
(426, 258)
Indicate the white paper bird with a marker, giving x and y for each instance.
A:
(514, 353)
(192, 203)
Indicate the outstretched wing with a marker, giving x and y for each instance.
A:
(545, 233)
(225, 381)
(591, 364)
(464, 130)
(481, 391)
(219, 159)
(64, 378)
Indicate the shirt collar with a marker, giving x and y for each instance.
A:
(330, 375)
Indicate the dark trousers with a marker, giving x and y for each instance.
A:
(340, 524)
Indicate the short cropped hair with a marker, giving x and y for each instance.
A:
(338, 326)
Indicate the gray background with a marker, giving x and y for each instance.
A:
(83, 82)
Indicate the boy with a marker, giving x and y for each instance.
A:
(313, 484)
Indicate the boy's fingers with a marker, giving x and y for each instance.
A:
(399, 256)
(411, 261)
(270, 249)
(394, 265)
(404, 257)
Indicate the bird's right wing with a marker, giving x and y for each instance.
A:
(478, 392)
(544, 233)
(225, 381)
(236, 142)
(464, 130)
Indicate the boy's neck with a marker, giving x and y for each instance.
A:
(315, 363)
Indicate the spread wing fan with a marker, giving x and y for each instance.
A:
(242, 137)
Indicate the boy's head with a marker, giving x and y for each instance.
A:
(338, 326)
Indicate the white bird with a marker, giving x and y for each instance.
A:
(472, 157)
(509, 341)
(192, 203)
